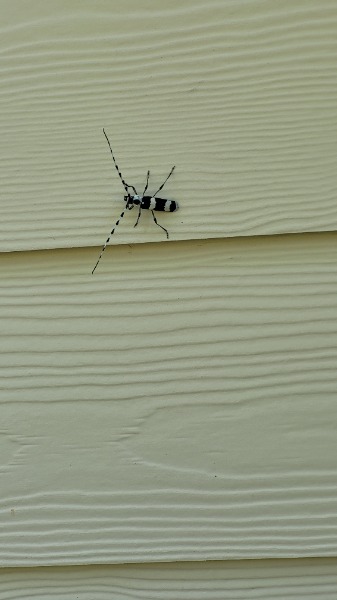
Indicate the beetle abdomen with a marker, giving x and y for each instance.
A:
(159, 204)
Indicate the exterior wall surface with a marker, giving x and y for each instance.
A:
(178, 406)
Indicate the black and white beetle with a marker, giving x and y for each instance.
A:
(143, 202)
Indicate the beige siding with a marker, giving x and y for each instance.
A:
(178, 405)
(246, 580)
(239, 94)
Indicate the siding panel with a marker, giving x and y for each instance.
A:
(314, 579)
(178, 405)
(240, 95)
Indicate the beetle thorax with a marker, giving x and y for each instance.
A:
(133, 200)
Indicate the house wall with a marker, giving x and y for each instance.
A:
(180, 404)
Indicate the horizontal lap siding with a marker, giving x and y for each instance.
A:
(248, 580)
(177, 405)
(239, 95)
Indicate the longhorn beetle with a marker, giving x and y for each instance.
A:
(143, 202)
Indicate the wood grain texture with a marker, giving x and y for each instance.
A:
(239, 94)
(179, 405)
(246, 580)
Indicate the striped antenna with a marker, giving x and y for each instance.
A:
(118, 171)
(111, 232)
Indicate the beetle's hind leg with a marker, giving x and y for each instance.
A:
(156, 222)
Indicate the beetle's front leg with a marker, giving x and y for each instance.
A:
(139, 213)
